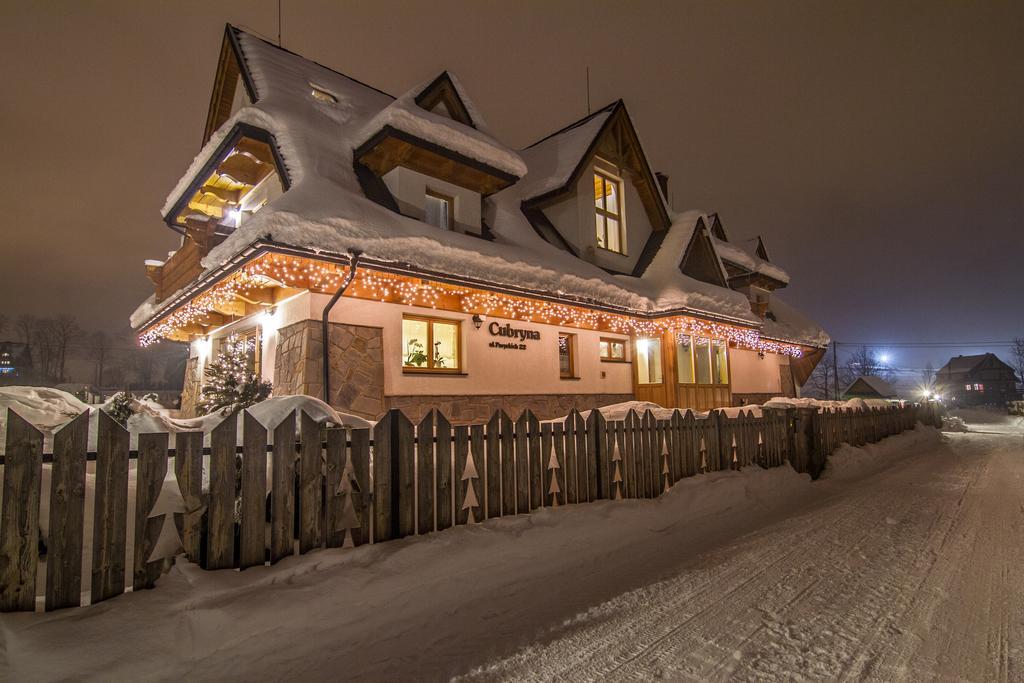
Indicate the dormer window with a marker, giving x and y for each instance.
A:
(611, 231)
(321, 95)
(439, 210)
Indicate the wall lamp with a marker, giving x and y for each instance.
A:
(477, 321)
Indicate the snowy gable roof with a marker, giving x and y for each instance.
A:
(553, 160)
(326, 209)
(405, 114)
(748, 259)
(871, 383)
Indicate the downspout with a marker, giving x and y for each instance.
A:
(353, 263)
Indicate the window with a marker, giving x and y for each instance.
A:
(979, 387)
(439, 210)
(684, 358)
(701, 360)
(608, 213)
(719, 362)
(648, 361)
(967, 387)
(566, 355)
(430, 344)
(613, 350)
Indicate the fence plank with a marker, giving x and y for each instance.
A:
(188, 465)
(508, 465)
(382, 479)
(360, 454)
(443, 460)
(522, 458)
(282, 493)
(252, 535)
(584, 458)
(110, 518)
(569, 490)
(536, 463)
(597, 448)
(220, 537)
(649, 443)
(67, 515)
(403, 447)
(558, 438)
(334, 495)
(629, 455)
(149, 479)
(493, 466)
(19, 516)
(460, 477)
(311, 485)
(425, 474)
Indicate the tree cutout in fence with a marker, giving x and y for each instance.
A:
(168, 503)
(665, 472)
(735, 460)
(703, 456)
(553, 467)
(469, 473)
(348, 488)
(761, 450)
(617, 463)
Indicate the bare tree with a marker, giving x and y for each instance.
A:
(822, 380)
(43, 336)
(26, 325)
(100, 351)
(1017, 357)
(928, 378)
(864, 362)
(66, 331)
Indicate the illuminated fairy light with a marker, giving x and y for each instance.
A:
(294, 272)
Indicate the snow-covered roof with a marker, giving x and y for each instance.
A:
(876, 384)
(744, 255)
(325, 208)
(406, 115)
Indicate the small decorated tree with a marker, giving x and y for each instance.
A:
(121, 407)
(231, 384)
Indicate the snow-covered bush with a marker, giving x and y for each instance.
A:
(120, 407)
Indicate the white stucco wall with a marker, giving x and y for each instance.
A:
(410, 190)
(754, 375)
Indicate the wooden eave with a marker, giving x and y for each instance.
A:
(701, 239)
(753, 278)
(617, 142)
(230, 66)
(239, 131)
(391, 147)
(442, 89)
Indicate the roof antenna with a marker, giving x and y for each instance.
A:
(588, 90)
(279, 23)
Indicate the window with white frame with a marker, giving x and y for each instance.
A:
(611, 229)
(439, 210)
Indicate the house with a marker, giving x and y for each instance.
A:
(8, 363)
(448, 270)
(977, 380)
(869, 386)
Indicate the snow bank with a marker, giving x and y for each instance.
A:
(953, 423)
(848, 462)
(50, 409)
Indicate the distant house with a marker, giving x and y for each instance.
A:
(8, 366)
(977, 380)
(870, 386)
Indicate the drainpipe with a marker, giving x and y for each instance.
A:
(353, 263)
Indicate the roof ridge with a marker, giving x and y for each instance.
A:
(257, 36)
(576, 124)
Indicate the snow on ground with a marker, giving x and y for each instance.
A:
(50, 409)
(907, 571)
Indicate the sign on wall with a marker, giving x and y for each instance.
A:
(517, 336)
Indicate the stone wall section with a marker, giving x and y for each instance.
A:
(190, 393)
(356, 358)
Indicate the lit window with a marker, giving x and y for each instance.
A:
(566, 355)
(321, 95)
(613, 349)
(648, 361)
(967, 387)
(702, 360)
(979, 387)
(684, 356)
(430, 344)
(608, 213)
(719, 362)
(438, 210)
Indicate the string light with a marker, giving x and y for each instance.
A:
(302, 273)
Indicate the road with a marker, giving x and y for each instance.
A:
(914, 573)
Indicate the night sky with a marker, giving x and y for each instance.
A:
(877, 147)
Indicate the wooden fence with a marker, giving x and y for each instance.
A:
(367, 486)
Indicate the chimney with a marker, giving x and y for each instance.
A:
(663, 182)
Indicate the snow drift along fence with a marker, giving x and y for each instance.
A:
(368, 486)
